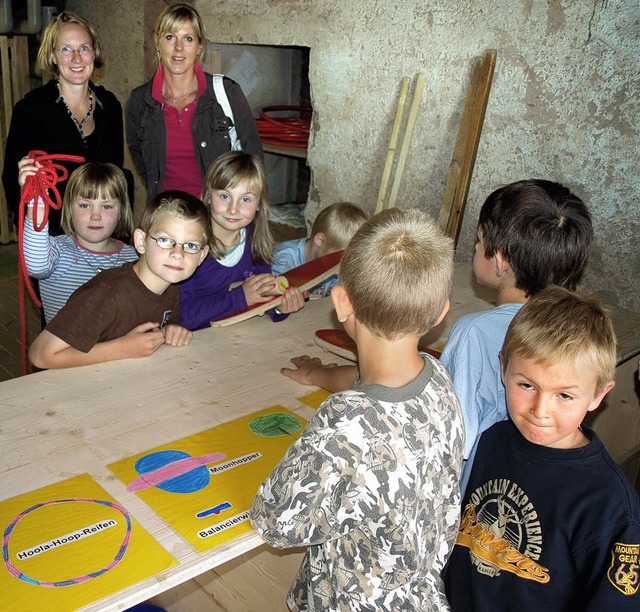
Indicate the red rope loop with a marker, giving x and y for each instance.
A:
(285, 131)
(35, 189)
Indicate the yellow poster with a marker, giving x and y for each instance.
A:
(70, 544)
(315, 398)
(203, 485)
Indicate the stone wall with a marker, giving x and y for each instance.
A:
(564, 103)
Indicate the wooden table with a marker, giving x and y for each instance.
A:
(60, 423)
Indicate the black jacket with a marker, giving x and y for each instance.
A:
(40, 121)
(146, 134)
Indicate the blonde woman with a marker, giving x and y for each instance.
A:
(69, 114)
(174, 124)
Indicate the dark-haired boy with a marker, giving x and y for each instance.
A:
(531, 234)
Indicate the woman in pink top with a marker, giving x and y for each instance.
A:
(175, 126)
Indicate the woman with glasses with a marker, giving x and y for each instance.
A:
(175, 126)
(70, 114)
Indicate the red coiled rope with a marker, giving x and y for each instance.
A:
(36, 188)
(285, 131)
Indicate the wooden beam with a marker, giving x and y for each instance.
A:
(406, 140)
(464, 154)
(7, 96)
(393, 143)
(14, 64)
(20, 67)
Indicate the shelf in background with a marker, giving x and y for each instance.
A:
(287, 151)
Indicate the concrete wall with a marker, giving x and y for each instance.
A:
(564, 103)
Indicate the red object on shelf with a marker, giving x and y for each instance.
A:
(291, 131)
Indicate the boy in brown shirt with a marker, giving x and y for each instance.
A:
(131, 311)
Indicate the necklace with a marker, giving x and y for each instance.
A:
(174, 100)
(191, 92)
(102, 259)
(79, 124)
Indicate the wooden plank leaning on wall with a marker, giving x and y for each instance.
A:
(14, 66)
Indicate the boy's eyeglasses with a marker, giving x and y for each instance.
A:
(192, 248)
(84, 50)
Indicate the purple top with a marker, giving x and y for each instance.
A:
(205, 296)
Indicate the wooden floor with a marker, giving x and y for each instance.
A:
(10, 343)
(259, 580)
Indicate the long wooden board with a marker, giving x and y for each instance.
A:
(393, 146)
(304, 277)
(466, 147)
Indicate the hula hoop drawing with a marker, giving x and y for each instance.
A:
(16, 573)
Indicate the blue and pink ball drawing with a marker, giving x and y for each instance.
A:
(173, 471)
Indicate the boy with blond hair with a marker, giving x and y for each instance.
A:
(331, 231)
(132, 310)
(531, 234)
(371, 486)
(549, 521)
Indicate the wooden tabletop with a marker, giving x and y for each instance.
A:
(61, 423)
(57, 424)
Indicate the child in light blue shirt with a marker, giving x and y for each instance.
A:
(332, 230)
(531, 234)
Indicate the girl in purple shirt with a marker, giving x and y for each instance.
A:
(237, 273)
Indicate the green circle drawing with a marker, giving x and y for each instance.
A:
(277, 424)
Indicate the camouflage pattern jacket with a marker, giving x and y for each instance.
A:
(372, 488)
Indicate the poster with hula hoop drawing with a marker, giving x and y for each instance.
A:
(203, 485)
(69, 544)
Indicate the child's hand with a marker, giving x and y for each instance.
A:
(330, 376)
(306, 370)
(27, 167)
(255, 287)
(176, 335)
(143, 340)
(292, 300)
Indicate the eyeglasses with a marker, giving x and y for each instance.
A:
(83, 50)
(192, 248)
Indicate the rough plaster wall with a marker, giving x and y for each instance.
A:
(564, 103)
(126, 33)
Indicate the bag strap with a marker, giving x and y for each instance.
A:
(223, 100)
(221, 95)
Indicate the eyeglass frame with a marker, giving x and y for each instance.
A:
(173, 243)
(84, 51)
